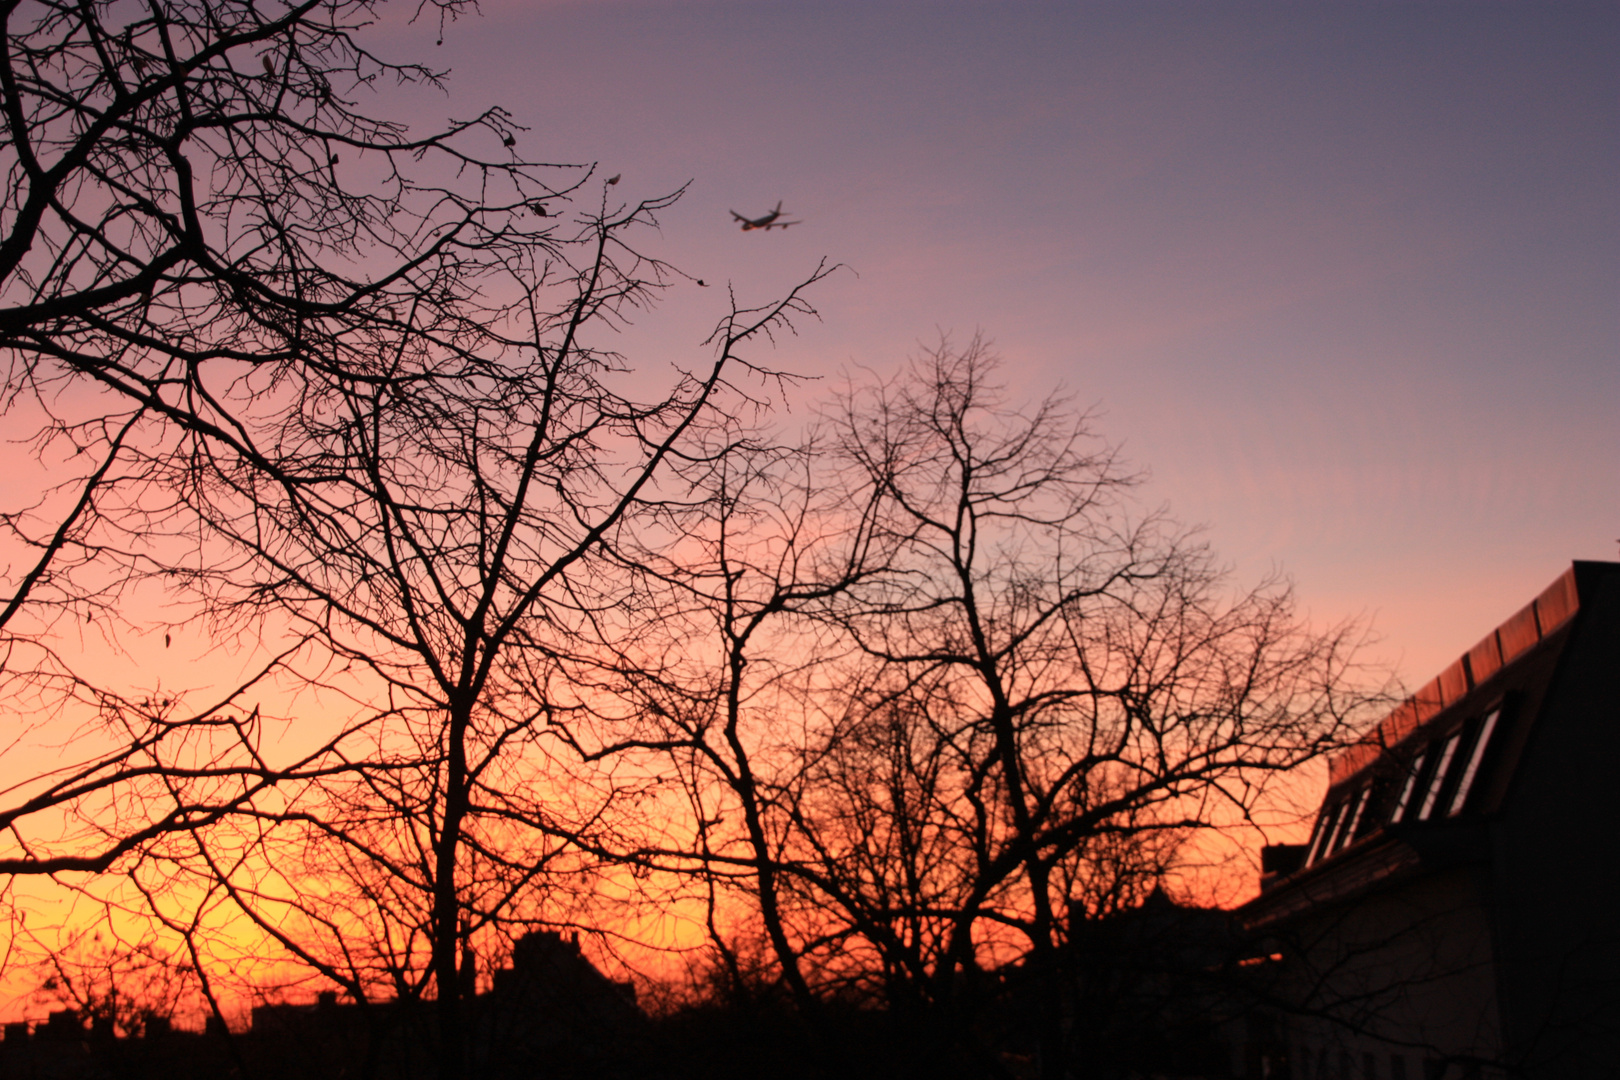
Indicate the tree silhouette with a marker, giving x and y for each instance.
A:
(181, 249)
(956, 684)
(344, 389)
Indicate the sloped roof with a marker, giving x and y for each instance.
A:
(1404, 797)
(1538, 619)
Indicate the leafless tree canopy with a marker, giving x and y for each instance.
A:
(952, 681)
(900, 695)
(344, 389)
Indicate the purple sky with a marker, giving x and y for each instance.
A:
(1342, 276)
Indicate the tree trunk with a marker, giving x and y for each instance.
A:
(447, 905)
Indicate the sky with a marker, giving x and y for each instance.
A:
(1340, 277)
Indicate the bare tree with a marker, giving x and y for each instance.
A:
(342, 387)
(715, 682)
(199, 212)
(1051, 669)
(119, 988)
(993, 690)
(445, 555)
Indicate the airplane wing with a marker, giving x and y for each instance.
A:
(739, 217)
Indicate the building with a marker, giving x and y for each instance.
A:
(1453, 914)
(552, 1009)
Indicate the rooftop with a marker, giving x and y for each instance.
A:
(1440, 760)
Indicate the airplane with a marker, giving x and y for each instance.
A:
(766, 221)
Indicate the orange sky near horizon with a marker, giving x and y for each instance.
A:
(1341, 276)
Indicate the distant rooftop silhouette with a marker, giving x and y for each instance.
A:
(1454, 875)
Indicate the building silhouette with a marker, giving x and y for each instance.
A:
(1451, 917)
(551, 1012)
(1453, 913)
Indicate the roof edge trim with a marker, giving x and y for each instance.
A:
(1555, 606)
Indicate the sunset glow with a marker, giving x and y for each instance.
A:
(438, 535)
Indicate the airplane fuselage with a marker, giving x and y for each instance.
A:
(764, 221)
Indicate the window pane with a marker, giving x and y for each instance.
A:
(1324, 830)
(1352, 818)
(1474, 758)
(1410, 786)
(1439, 780)
(1331, 844)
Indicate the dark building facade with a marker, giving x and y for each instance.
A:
(551, 1013)
(1455, 913)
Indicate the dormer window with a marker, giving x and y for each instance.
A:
(1324, 833)
(1335, 839)
(1475, 757)
(1337, 826)
(1358, 806)
(1409, 789)
(1439, 781)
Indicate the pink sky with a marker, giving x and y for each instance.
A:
(1342, 276)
